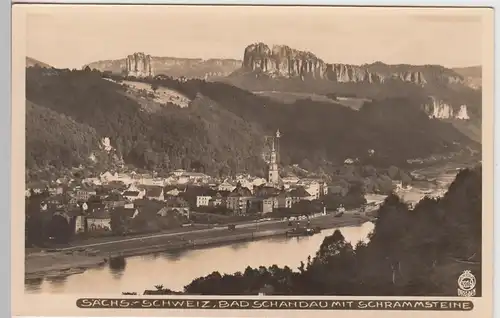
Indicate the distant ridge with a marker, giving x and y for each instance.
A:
(30, 62)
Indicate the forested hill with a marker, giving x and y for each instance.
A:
(170, 139)
(319, 131)
(224, 127)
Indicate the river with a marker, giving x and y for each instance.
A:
(174, 271)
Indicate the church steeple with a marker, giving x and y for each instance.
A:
(273, 172)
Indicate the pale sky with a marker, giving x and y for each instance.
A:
(71, 36)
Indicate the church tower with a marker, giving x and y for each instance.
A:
(273, 172)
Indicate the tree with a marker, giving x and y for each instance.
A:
(117, 223)
(154, 86)
(60, 229)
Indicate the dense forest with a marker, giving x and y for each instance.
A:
(319, 131)
(411, 252)
(224, 128)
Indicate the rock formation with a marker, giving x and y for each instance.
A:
(441, 110)
(463, 113)
(138, 65)
(283, 61)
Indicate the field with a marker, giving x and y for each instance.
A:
(150, 100)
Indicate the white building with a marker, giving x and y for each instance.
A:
(226, 186)
(203, 200)
(134, 193)
(178, 172)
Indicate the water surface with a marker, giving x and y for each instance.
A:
(175, 270)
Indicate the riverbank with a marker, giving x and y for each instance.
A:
(77, 259)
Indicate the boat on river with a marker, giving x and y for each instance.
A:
(303, 231)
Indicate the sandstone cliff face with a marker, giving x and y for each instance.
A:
(283, 61)
(138, 65)
(472, 76)
(440, 110)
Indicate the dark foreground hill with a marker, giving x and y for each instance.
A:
(223, 129)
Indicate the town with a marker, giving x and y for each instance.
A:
(126, 203)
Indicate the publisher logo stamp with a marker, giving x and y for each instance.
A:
(466, 284)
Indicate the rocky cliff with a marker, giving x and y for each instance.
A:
(472, 75)
(436, 108)
(283, 61)
(140, 64)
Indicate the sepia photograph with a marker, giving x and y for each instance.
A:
(255, 151)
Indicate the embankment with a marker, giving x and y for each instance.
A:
(79, 258)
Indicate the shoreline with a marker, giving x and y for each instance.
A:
(79, 263)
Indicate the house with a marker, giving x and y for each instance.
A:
(266, 191)
(174, 191)
(258, 182)
(58, 200)
(178, 172)
(298, 194)
(115, 186)
(155, 193)
(114, 200)
(108, 177)
(170, 180)
(284, 200)
(80, 224)
(268, 204)
(290, 180)
(196, 176)
(239, 200)
(84, 194)
(124, 178)
(56, 190)
(99, 220)
(323, 188)
(37, 187)
(217, 200)
(203, 200)
(134, 193)
(226, 186)
(313, 189)
(127, 213)
(91, 181)
(176, 204)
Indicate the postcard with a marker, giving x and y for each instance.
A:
(252, 161)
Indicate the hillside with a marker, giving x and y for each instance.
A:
(309, 127)
(55, 139)
(30, 62)
(223, 128)
(169, 139)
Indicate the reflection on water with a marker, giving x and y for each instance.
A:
(175, 270)
(117, 267)
(33, 285)
(239, 246)
(173, 256)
